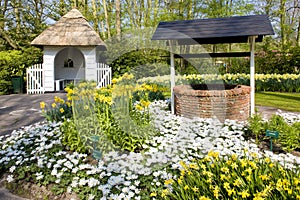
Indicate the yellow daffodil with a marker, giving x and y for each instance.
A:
(169, 181)
(193, 166)
(195, 189)
(204, 198)
(42, 105)
(230, 191)
(153, 194)
(244, 194)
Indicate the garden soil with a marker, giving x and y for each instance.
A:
(19, 110)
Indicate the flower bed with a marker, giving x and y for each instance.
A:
(263, 82)
(213, 100)
(183, 147)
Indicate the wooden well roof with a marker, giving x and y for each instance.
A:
(71, 30)
(215, 30)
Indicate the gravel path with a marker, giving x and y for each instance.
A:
(18, 110)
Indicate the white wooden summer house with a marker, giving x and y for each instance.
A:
(71, 48)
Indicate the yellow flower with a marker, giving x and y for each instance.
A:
(216, 191)
(271, 165)
(237, 182)
(248, 178)
(195, 189)
(42, 105)
(222, 177)
(139, 107)
(164, 193)
(244, 194)
(296, 181)
(179, 180)
(214, 154)
(225, 170)
(203, 166)
(169, 181)
(243, 163)
(183, 165)
(249, 170)
(114, 81)
(234, 166)
(153, 194)
(204, 198)
(86, 107)
(230, 192)
(264, 177)
(194, 166)
(145, 103)
(61, 110)
(226, 185)
(68, 104)
(186, 187)
(53, 105)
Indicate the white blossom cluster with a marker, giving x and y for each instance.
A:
(180, 139)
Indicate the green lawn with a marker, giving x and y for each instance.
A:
(280, 100)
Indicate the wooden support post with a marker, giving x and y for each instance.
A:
(172, 77)
(252, 75)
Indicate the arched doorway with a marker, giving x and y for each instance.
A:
(69, 65)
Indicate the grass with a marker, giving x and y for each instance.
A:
(280, 100)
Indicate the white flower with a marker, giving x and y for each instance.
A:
(12, 169)
(39, 175)
(10, 178)
(92, 182)
(91, 197)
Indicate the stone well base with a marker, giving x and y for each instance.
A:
(213, 100)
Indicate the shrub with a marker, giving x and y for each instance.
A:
(289, 135)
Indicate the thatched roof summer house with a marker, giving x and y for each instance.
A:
(70, 51)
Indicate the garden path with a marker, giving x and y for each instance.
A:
(18, 110)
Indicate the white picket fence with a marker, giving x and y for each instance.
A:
(103, 75)
(35, 79)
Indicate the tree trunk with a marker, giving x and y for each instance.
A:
(283, 23)
(95, 17)
(298, 33)
(106, 19)
(118, 19)
(16, 5)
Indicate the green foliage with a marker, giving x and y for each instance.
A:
(289, 135)
(71, 137)
(257, 126)
(142, 63)
(280, 62)
(14, 63)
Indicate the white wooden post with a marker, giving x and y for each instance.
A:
(252, 75)
(172, 77)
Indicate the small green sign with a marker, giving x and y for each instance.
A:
(97, 154)
(95, 138)
(273, 134)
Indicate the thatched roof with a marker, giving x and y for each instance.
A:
(71, 30)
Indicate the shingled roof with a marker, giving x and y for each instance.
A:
(71, 30)
(215, 30)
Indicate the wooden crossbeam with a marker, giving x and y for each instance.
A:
(214, 55)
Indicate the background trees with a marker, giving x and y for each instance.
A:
(22, 20)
